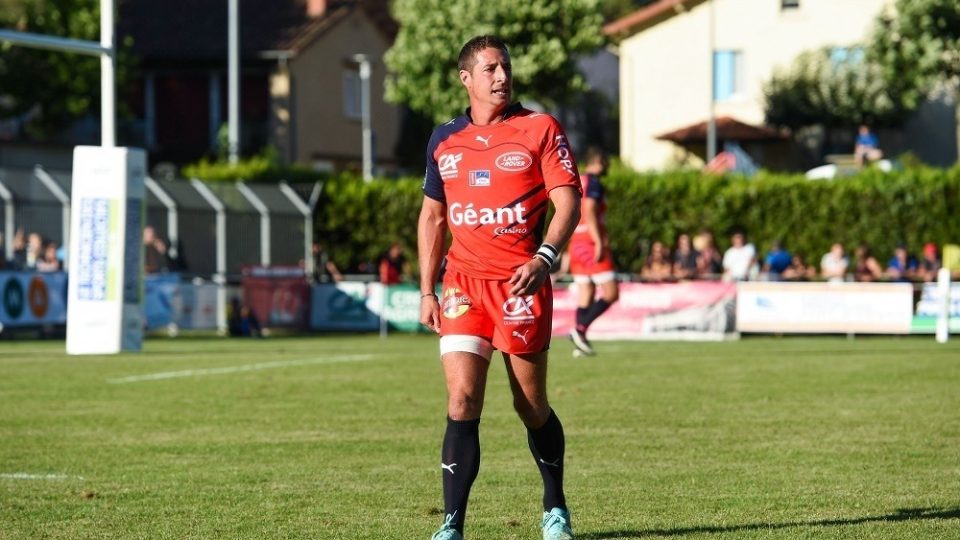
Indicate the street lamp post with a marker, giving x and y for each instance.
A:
(711, 119)
(364, 62)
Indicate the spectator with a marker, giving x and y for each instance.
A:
(834, 263)
(798, 270)
(867, 147)
(930, 264)
(740, 259)
(19, 260)
(242, 321)
(709, 263)
(49, 262)
(323, 268)
(866, 267)
(33, 251)
(393, 266)
(776, 262)
(685, 258)
(657, 267)
(902, 266)
(155, 258)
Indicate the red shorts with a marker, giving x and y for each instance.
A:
(581, 259)
(485, 309)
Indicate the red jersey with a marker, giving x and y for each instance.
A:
(494, 181)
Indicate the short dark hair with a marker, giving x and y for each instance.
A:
(468, 54)
(594, 153)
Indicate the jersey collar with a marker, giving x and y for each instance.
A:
(512, 110)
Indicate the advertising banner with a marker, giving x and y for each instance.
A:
(696, 310)
(33, 298)
(279, 296)
(928, 309)
(343, 306)
(825, 308)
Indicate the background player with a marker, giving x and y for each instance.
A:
(591, 262)
(491, 174)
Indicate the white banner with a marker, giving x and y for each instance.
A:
(106, 264)
(844, 308)
(33, 298)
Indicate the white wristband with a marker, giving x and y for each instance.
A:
(547, 254)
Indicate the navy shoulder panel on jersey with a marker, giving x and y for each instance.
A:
(594, 188)
(432, 183)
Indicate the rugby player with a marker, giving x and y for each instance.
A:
(491, 174)
(591, 262)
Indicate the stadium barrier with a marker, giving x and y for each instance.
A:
(687, 310)
(692, 310)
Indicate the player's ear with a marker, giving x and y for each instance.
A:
(464, 77)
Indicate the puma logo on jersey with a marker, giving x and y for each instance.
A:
(448, 467)
(485, 141)
(523, 337)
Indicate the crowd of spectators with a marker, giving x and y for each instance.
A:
(699, 258)
(32, 252)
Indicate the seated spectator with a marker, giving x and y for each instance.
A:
(740, 259)
(393, 266)
(155, 258)
(685, 258)
(323, 268)
(242, 321)
(19, 245)
(33, 251)
(929, 264)
(798, 270)
(50, 262)
(709, 263)
(902, 266)
(865, 266)
(657, 266)
(867, 147)
(834, 263)
(777, 260)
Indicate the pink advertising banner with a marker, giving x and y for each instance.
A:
(695, 310)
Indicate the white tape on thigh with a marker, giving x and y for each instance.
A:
(603, 277)
(464, 343)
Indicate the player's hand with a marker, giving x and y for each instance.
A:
(430, 312)
(529, 277)
(597, 252)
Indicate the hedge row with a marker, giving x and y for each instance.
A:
(358, 220)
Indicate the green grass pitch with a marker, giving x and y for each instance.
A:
(339, 438)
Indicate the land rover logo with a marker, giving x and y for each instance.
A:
(514, 161)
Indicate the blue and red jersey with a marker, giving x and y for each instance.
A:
(495, 181)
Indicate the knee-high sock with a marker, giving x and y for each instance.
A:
(595, 310)
(547, 446)
(460, 462)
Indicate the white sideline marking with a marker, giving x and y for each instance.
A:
(239, 369)
(29, 476)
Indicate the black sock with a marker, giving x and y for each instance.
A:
(460, 459)
(582, 323)
(547, 445)
(595, 310)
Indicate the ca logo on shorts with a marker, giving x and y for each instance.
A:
(455, 303)
(518, 309)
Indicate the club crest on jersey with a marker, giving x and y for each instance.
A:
(514, 161)
(447, 164)
(479, 178)
(518, 309)
(455, 303)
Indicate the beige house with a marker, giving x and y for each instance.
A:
(315, 116)
(666, 50)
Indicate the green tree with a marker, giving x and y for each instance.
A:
(49, 89)
(917, 46)
(832, 87)
(543, 36)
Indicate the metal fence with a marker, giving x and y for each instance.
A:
(213, 229)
